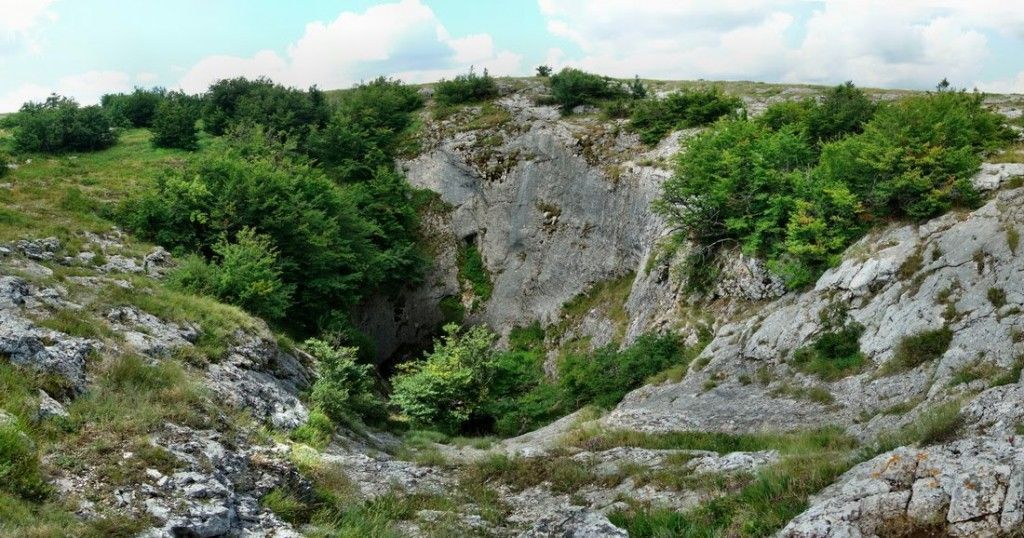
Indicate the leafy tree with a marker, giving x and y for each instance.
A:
(174, 125)
(572, 87)
(59, 124)
(136, 109)
(543, 71)
(656, 118)
(451, 384)
(324, 245)
(468, 88)
(363, 132)
(736, 183)
(344, 389)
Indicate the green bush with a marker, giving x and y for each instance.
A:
(344, 389)
(764, 186)
(449, 386)
(5, 159)
(19, 465)
(136, 109)
(59, 124)
(473, 271)
(603, 377)
(543, 71)
(281, 110)
(738, 183)
(916, 156)
(365, 129)
(833, 354)
(174, 124)
(468, 88)
(571, 88)
(326, 249)
(844, 110)
(244, 273)
(656, 118)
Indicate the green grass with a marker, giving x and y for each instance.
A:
(974, 372)
(597, 439)
(77, 323)
(63, 195)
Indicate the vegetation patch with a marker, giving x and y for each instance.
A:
(473, 271)
(918, 349)
(833, 355)
(654, 119)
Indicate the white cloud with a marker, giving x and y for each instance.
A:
(405, 39)
(911, 43)
(86, 88)
(1008, 85)
(18, 19)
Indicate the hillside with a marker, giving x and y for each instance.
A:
(881, 397)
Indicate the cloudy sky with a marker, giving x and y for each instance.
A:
(84, 48)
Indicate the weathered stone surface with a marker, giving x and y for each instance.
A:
(149, 334)
(48, 407)
(968, 487)
(257, 375)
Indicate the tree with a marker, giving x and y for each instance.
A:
(449, 386)
(59, 124)
(174, 125)
(344, 389)
(543, 71)
(573, 87)
(136, 109)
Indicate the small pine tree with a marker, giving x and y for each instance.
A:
(174, 125)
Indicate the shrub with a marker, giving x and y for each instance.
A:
(844, 110)
(543, 71)
(174, 124)
(136, 109)
(245, 273)
(655, 118)
(468, 88)
(363, 133)
(325, 248)
(571, 88)
(738, 183)
(918, 349)
(59, 124)
(450, 384)
(833, 354)
(281, 110)
(915, 157)
(344, 389)
(4, 161)
(605, 376)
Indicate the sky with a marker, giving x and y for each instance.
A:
(85, 48)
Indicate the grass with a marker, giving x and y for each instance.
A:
(997, 296)
(77, 323)
(63, 195)
(917, 349)
(597, 439)
(814, 393)
(974, 372)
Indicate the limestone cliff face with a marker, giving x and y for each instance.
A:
(553, 205)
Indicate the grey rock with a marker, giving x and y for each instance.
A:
(38, 249)
(44, 350)
(149, 334)
(48, 407)
(257, 375)
(157, 261)
(962, 485)
(993, 176)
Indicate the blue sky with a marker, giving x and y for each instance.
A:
(84, 48)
